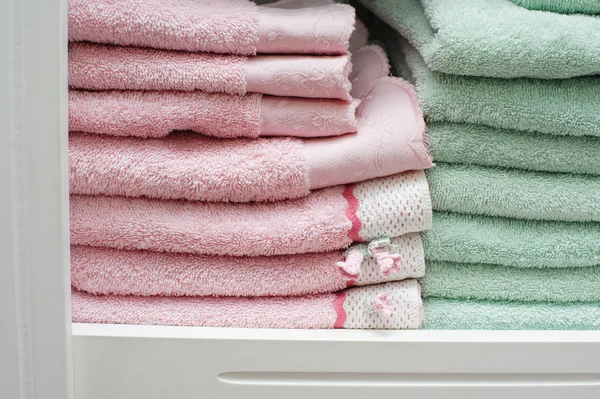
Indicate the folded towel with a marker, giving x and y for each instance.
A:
(452, 314)
(103, 67)
(156, 114)
(476, 239)
(120, 272)
(562, 6)
(487, 146)
(561, 107)
(514, 193)
(495, 37)
(505, 283)
(390, 140)
(383, 306)
(215, 26)
(325, 220)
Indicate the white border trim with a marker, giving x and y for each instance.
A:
(35, 328)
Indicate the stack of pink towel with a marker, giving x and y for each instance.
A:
(241, 165)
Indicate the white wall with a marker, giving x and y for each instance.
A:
(35, 328)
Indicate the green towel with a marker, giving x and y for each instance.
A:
(514, 193)
(487, 146)
(560, 107)
(453, 314)
(505, 283)
(495, 38)
(562, 6)
(461, 238)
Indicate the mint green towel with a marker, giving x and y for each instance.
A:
(505, 283)
(560, 107)
(464, 238)
(562, 6)
(514, 193)
(495, 38)
(487, 146)
(453, 314)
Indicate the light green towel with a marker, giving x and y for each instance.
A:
(452, 314)
(487, 146)
(562, 6)
(560, 107)
(505, 283)
(464, 238)
(514, 193)
(495, 38)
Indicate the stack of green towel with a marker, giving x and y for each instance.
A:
(511, 91)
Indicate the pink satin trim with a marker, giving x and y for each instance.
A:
(351, 212)
(338, 305)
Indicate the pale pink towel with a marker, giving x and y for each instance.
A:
(214, 26)
(121, 272)
(394, 305)
(103, 67)
(390, 140)
(325, 220)
(155, 114)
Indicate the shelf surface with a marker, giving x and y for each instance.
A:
(189, 362)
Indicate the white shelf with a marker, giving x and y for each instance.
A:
(113, 361)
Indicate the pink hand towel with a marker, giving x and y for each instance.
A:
(390, 140)
(214, 26)
(394, 305)
(103, 67)
(120, 272)
(325, 220)
(156, 114)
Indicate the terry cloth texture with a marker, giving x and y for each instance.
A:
(456, 314)
(514, 193)
(103, 67)
(559, 107)
(351, 308)
(389, 206)
(512, 242)
(505, 283)
(121, 272)
(495, 38)
(562, 6)
(215, 26)
(390, 140)
(487, 146)
(155, 114)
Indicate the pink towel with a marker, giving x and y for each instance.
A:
(325, 220)
(215, 26)
(121, 272)
(390, 140)
(156, 114)
(103, 67)
(394, 305)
